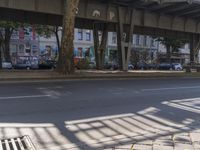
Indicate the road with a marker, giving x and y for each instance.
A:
(90, 114)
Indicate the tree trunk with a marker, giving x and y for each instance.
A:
(7, 50)
(0, 56)
(6, 43)
(168, 47)
(57, 40)
(57, 37)
(119, 47)
(96, 45)
(103, 46)
(66, 64)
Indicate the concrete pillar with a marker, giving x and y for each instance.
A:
(191, 52)
(197, 48)
(125, 38)
(194, 48)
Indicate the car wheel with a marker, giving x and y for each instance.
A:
(178, 69)
(28, 68)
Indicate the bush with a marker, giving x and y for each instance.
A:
(188, 69)
(83, 64)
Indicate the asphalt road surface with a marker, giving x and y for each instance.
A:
(60, 115)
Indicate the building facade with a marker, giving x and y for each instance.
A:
(144, 48)
(83, 43)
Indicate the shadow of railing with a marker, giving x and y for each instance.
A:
(108, 131)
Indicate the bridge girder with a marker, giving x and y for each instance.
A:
(154, 15)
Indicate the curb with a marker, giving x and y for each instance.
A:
(36, 76)
(96, 77)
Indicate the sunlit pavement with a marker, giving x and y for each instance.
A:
(162, 114)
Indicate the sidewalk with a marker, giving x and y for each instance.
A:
(24, 75)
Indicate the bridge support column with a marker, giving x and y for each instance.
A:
(100, 43)
(194, 48)
(125, 38)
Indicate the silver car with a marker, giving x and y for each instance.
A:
(7, 65)
(177, 66)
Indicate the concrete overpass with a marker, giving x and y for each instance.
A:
(172, 18)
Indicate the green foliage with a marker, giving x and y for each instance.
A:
(6, 31)
(46, 30)
(174, 43)
(9, 24)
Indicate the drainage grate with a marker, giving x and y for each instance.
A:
(20, 143)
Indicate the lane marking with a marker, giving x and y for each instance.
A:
(172, 88)
(22, 97)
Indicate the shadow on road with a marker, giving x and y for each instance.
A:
(60, 126)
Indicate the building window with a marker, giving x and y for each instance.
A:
(13, 49)
(87, 52)
(34, 50)
(152, 43)
(114, 38)
(137, 39)
(21, 49)
(88, 35)
(145, 41)
(80, 52)
(80, 34)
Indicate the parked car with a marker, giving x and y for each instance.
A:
(111, 65)
(26, 64)
(177, 66)
(92, 65)
(130, 67)
(142, 66)
(165, 66)
(49, 64)
(152, 66)
(7, 65)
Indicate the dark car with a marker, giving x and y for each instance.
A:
(165, 66)
(142, 66)
(152, 66)
(49, 64)
(111, 65)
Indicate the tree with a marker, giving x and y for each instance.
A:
(66, 61)
(172, 45)
(48, 31)
(6, 31)
(0, 54)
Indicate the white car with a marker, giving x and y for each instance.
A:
(177, 66)
(6, 65)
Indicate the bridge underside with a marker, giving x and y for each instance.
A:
(55, 19)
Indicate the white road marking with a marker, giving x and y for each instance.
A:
(172, 88)
(22, 97)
